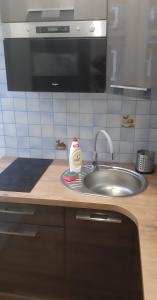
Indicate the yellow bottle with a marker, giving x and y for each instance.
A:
(75, 156)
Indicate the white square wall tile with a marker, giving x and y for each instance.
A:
(140, 145)
(61, 154)
(73, 119)
(153, 121)
(127, 134)
(7, 104)
(8, 117)
(59, 105)
(153, 135)
(86, 132)
(100, 106)
(143, 107)
(73, 131)
(34, 130)
(24, 152)
(114, 133)
(113, 120)
(142, 121)
(46, 118)
(23, 142)
(46, 105)
(45, 95)
(2, 142)
(2, 129)
(34, 118)
(36, 153)
(47, 131)
(86, 119)
(59, 95)
(126, 147)
(11, 142)
(87, 155)
(35, 142)
(18, 94)
(10, 129)
(19, 104)
(128, 107)
(86, 106)
(73, 106)
(21, 117)
(22, 130)
(141, 135)
(126, 158)
(48, 143)
(60, 118)
(48, 153)
(100, 120)
(114, 106)
(60, 131)
(32, 95)
(11, 152)
(2, 152)
(32, 104)
(86, 145)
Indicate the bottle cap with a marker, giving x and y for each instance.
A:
(75, 139)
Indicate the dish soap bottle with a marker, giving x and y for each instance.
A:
(75, 156)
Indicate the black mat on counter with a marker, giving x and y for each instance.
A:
(23, 174)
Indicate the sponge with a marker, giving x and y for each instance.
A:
(70, 176)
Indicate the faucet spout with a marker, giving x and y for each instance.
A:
(107, 136)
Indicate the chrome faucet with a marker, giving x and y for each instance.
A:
(107, 136)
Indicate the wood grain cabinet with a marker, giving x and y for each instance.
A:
(68, 254)
(31, 250)
(102, 256)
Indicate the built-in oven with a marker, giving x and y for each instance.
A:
(56, 56)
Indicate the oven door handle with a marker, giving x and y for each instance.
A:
(32, 10)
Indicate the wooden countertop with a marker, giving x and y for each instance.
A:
(141, 208)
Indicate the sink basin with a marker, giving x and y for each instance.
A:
(108, 181)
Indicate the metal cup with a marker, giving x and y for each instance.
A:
(145, 161)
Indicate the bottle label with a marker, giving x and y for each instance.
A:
(76, 146)
(77, 158)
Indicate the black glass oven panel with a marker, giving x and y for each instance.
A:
(72, 65)
(23, 174)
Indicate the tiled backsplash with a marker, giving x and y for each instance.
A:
(30, 123)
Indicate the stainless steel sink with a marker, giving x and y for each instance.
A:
(108, 181)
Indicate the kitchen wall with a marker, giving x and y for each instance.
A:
(30, 123)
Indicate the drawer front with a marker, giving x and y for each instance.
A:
(99, 247)
(99, 227)
(32, 214)
(32, 259)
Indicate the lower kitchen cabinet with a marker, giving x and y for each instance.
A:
(82, 254)
(102, 256)
(31, 259)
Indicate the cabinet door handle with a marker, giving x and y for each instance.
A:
(98, 217)
(24, 233)
(28, 212)
(126, 87)
(31, 10)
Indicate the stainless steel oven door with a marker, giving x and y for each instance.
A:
(56, 63)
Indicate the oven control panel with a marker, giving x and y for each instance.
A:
(68, 29)
(52, 29)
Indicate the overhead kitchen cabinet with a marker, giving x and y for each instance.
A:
(153, 43)
(129, 50)
(28, 10)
